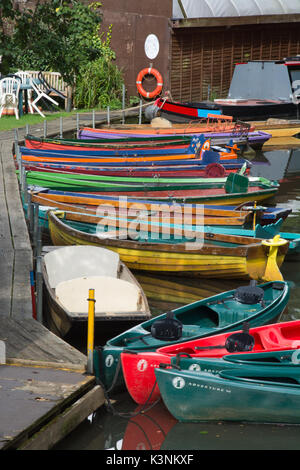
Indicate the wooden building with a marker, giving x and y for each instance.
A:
(195, 44)
(198, 43)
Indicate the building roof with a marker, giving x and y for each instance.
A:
(233, 8)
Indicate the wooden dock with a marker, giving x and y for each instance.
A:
(44, 389)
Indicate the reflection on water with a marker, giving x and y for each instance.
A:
(156, 429)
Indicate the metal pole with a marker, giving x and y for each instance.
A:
(140, 112)
(77, 122)
(123, 104)
(45, 129)
(108, 115)
(60, 127)
(91, 329)
(94, 119)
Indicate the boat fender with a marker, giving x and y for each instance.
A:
(214, 170)
(239, 342)
(151, 112)
(167, 329)
(251, 294)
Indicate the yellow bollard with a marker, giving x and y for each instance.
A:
(272, 272)
(254, 216)
(91, 331)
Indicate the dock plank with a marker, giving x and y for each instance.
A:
(32, 396)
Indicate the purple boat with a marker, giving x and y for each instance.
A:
(255, 139)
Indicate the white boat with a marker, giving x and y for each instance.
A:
(69, 272)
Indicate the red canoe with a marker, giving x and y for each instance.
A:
(138, 368)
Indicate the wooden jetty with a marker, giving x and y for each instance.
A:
(45, 391)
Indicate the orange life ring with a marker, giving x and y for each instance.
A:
(139, 79)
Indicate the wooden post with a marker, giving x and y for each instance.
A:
(39, 279)
(91, 329)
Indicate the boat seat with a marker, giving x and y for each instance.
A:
(80, 261)
(190, 330)
(113, 296)
(272, 339)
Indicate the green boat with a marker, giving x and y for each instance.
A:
(256, 393)
(86, 182)
(213, 365)
(210, 316)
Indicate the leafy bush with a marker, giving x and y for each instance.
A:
(99, 84)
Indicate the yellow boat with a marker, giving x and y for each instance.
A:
(216, 256)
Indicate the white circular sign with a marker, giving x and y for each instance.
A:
(151, 46)
(109, 360)
(178, 382)
(142, 365)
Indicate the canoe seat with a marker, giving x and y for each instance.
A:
(272, 338)
(113, 296)
(190, 330)
(71, 262)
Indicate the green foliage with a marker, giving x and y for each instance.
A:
(98, 85)
(63, 36)
(58, 36)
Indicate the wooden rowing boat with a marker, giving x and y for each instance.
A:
(201, 322)
(209, 255)
(69, 273)
(213, 214)
(79, 147)
(235, 189)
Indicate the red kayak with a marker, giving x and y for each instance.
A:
(138, 368)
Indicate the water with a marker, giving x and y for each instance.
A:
(131, 428)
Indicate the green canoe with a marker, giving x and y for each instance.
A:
(261, 394)
(271, 359)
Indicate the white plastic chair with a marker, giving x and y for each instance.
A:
(9, 94)
(26, 80)
(40, 94)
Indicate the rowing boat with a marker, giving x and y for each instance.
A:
(264, 215)
(264, 394)
(234, 189)
(210, 255)
(68, 274)
(215, 316)
(196, 145)
(220, 132)
(210, 170)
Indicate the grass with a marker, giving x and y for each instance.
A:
(8, 123)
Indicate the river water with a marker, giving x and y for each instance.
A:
(129, 427)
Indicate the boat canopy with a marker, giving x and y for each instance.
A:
(227, 8)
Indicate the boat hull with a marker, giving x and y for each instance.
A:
(192, 397)
(181, 259)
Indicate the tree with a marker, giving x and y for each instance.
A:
(57, 35)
